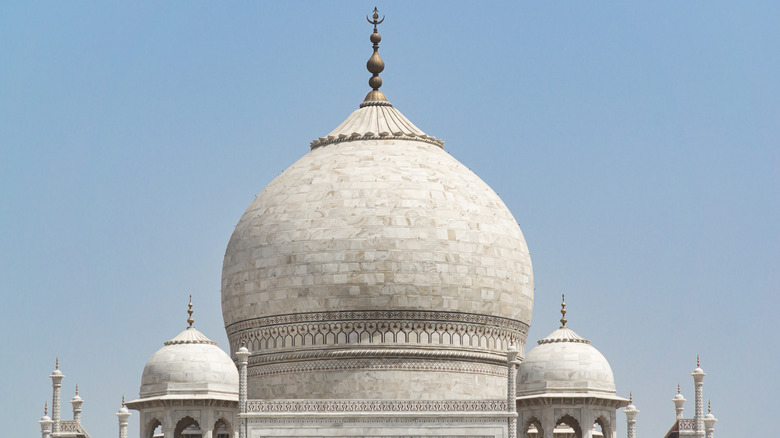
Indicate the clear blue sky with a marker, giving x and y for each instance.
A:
(636, 145)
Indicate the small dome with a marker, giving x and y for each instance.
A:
(564, 362)
(190, 364)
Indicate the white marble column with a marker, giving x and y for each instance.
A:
(45, 422)
(631, 412)
(709, 422)
(243, 361)
(123, 415)
(511, 390)
(77, 402)
(698, 381)
(679, 401)
(56, 398)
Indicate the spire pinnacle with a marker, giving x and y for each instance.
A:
(375, 65)
(45, 408)
(57, 363)
(709, 406)
(563, 311)
(630, 398)
(678, 388)
(123, 400)
(77, 389)
(189, 311)
(697, 362)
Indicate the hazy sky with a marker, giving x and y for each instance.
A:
(637, 147)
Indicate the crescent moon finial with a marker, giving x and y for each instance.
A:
(375, 65)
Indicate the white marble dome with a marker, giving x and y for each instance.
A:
(564, 362)
(376, 237)
(188, 365)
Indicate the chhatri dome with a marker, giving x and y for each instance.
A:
(376, 259)
(190, 365)
(564, 362)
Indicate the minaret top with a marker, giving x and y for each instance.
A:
(57, 373)
(375, 64)
(189, 311)
(563, 311)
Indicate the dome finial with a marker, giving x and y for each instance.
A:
(709, 406)
(189, 311)
(77, 389)
(375, 65)
(630, 398)
(563, 311)
(57, 363)
(123, 400)
(678, 388)
(45, 408)
(697, 362)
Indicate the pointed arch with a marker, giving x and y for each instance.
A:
(219, 425)
(606, 426)
(151, 426)
(532, 422)
(184, 423)
(572, 422)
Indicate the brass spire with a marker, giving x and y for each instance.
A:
(375, 65)
(77, 389)
(678, 388)
(709, 406)
(630, 398)
(563, 311)
(697, 361)
(57, 363)
(45, 408)
(123, 400)
(189, 311)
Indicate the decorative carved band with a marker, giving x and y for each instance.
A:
(287, 406)
(383, 353)
(686, 424)
(473, 331)
(376, 364)
(69, 426)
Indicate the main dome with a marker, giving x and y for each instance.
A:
(377, 266)
(376, 225)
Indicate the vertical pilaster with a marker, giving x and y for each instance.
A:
(45, 422)
(631, 412)
(709, 422)
(77, 402)
(56, 398)
(698, 382)
(123, 415)
(679, 402)
(243, 361)
(511, 390)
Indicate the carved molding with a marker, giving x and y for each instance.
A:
(375, 406)
(447, 329)
(377, 364)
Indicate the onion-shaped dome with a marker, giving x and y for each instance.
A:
(377, 253)
(564, 362)
(187, 365)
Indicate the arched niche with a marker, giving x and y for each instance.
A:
(222, 429)
(566, 422)
(532, 428)
(187, 427)
(153, 428)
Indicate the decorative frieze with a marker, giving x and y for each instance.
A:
(290, 331)
(377, 364)
(377, 406)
